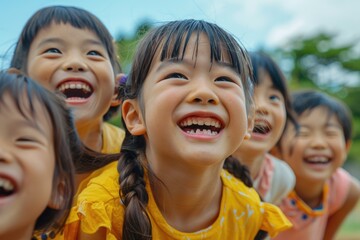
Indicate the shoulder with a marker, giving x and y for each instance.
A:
(103, 186)
(237, 187)
(113, 137)
(341, 186)
(283, 180)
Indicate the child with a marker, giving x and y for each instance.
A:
(69, 50)
(185, 107)
(36, 170)
(273, 178)
(324, 193)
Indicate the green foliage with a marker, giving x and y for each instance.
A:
(126, 45)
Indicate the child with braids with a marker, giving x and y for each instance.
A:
(324, 193)
(273, 178)
(69, 50)
(185, 108)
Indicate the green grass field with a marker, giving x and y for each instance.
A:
(350, 230)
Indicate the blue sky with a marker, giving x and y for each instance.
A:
(256, 23)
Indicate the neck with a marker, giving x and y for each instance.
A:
(192, 205)
(91, 135)
(252, 159)
(311, 192)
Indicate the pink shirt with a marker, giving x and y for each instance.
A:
(311, 223)
(275, 180)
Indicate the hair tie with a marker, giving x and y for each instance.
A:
(123, 79)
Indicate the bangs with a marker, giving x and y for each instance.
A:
(176, 36)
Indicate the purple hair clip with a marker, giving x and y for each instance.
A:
(123, 79)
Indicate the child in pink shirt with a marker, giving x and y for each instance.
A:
(324, 193)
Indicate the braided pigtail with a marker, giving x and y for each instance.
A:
(240, 171)
(137, 225)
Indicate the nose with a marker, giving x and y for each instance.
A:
(318, 141)
(203, 94)
(4, 155)
(74, 63)
(260, 105)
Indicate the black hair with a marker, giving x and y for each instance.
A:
(307, 100)
(66, 142)
(76, 17)
(170, 41)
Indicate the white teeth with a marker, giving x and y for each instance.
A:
(6, 184)
(318, 159)
(67, 85)
(200, 122)
(202, 131)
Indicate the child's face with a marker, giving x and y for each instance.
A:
(320, 147)
(75, 62)
(27, 163)
(270, 116)
(194, 110)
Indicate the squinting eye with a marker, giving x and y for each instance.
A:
(94, 53)
(224, 79)
(274, 98)
(25, 139)
(52, 50)
(176, 75)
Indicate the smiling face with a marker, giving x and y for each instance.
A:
(75, 62)
(27, 162)
(191, 111)
(270, 118)
(320, 147)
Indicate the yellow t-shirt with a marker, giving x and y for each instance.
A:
(112, 139)
(241, 216)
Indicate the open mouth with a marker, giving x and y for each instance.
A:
(7, 187)
(317, 160)
(201, 126)
(262, 127)
(76, 90)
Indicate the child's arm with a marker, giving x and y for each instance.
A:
(335, 220)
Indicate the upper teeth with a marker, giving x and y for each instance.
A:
(6, 184)
(200, 121)
(79, 85)
(318, 159)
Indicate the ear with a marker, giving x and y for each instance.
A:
(57, 196)
(348, 145)
(116, 101)
(250, 124)
(133, 118)
(14, 71)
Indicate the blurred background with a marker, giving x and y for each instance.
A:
(316, 43)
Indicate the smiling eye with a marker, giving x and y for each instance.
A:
(94, 53)
(176, 75)
(52, 50)
(25, 139)
(224, 79)
(275, 98)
